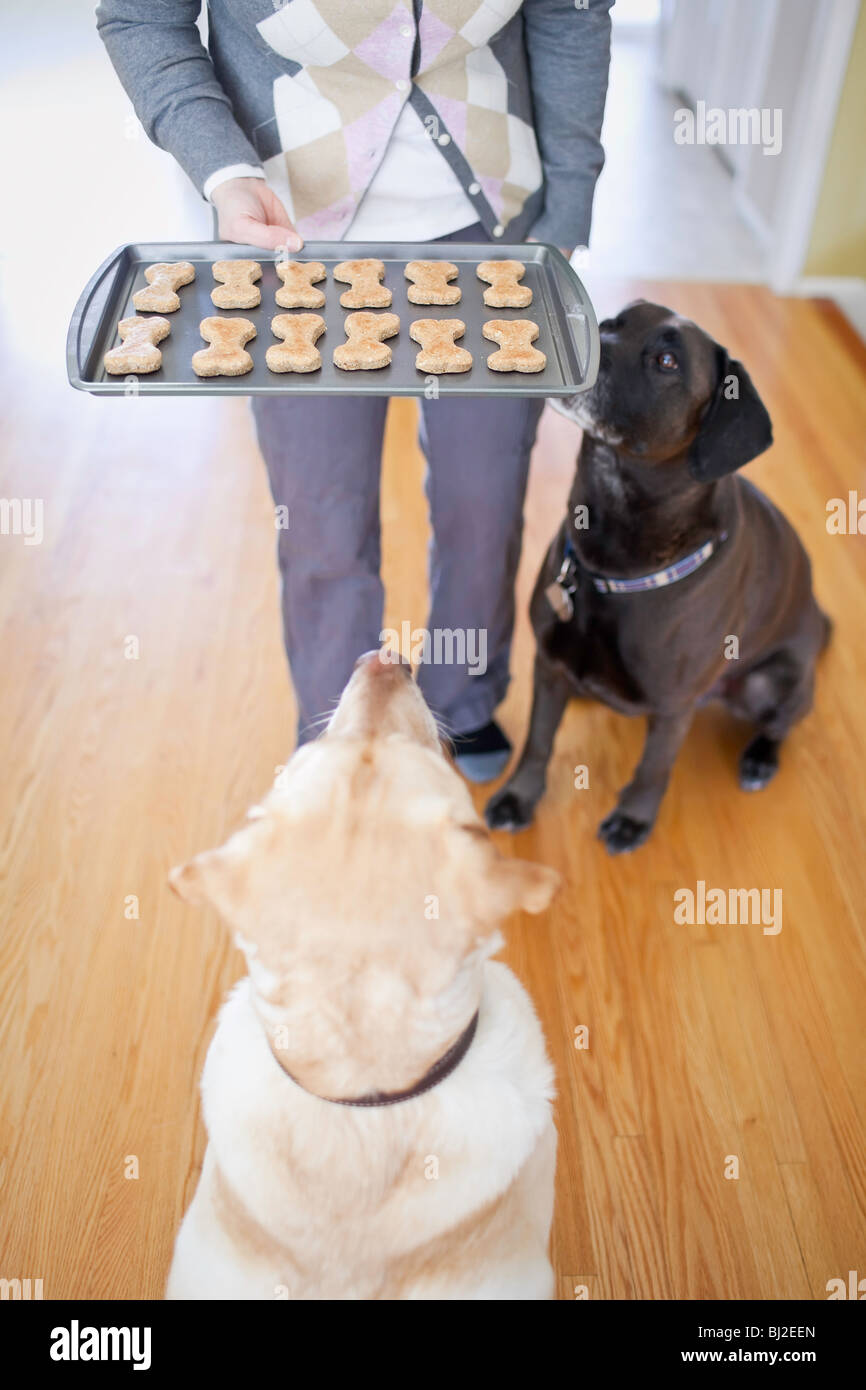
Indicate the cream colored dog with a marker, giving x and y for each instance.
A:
(367, 897)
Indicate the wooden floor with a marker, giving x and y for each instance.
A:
(704, 1042)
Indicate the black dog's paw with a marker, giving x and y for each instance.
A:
(621, 833)
(759, 763)
(508, 811)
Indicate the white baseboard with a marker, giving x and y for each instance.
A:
(846, 291)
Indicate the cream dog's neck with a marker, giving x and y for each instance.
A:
(333, 1050)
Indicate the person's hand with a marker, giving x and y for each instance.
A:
(252, 215)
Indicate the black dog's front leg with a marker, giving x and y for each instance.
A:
(513, 805)
(634, 817)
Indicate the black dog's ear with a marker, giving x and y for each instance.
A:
(636, 303)
(736, 426)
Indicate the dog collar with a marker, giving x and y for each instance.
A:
(436, 1074)
(641, 584)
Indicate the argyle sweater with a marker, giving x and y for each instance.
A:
(512, 95)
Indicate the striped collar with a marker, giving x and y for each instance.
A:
(658, 580)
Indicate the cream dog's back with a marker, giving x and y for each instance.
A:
(448, 1196)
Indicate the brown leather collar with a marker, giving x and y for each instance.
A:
(438, 1072)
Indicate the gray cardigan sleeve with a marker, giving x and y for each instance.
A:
(167, 73)
(569, 56)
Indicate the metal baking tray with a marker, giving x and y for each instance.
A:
(568, 331)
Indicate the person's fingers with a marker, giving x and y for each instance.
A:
(250, 231)
(273, 206)
(276, 216)
(280, 237)
(291, 239)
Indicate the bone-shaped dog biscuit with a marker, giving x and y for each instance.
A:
(514, 337)
(237, 290)
(296, 353)
(299, 277)
(364, 349)
(502, 277)
(439, 352)
(430, 282)
(137, 351)
(366, 292)
(163, 280)
(226, 355)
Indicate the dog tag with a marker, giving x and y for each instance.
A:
(560, 601)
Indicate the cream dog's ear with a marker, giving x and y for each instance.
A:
(529, 887)
(219, 876)
(505, 885)
(198, 881)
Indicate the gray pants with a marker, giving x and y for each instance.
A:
(477, 453)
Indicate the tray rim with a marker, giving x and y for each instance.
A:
(228, 386)
(82, 304)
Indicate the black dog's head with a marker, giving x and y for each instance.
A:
(666, 389)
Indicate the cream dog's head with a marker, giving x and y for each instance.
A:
(366, 894)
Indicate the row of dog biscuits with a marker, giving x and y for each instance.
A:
(138, 351)
(237, 288)
(431, 283)
(226, 353)
(441, 354)
(363, 350)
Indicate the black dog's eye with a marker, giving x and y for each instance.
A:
(667, 361)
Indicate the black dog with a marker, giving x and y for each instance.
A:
(670, 582)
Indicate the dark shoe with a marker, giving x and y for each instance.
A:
(482, 755)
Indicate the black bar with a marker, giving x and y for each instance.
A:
(259, 1338)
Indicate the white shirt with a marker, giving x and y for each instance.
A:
(414, 194)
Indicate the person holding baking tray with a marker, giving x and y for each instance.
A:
(384, 120)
